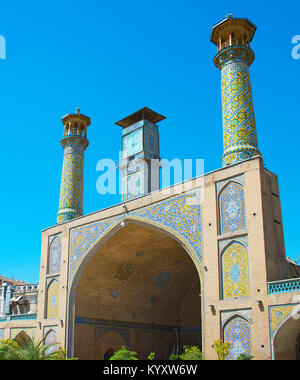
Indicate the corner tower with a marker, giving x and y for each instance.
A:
(74, 143)
(139, 161)
(232, 37)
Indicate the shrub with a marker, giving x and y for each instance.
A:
(245, 357)
(173, 357)
(191, 353)
(222, 349)
(124, 354)
(151, 356)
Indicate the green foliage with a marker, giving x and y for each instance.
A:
(124, 354)
(173, 357)
(245, 357)
(151, 356)
(222, 349)
(29, 350)
(191, 353)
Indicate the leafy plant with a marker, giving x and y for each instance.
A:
(222, 349)
(28, 349)
(151, 356)
(191, 353)
(173, 357)
(245, 357)
(124, 354)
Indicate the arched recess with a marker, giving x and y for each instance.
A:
(51, 340)
(286, 340)
(231, 206)
(103, 243)
(22, 337)
(111, 341)
(234, 270)
(237, 331)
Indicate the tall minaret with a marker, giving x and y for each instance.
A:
(74, 143)
(232, 37)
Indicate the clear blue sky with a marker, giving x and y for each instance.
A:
(111, 58)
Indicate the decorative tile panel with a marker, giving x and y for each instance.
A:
(235, 272)
(29, 331)
(52, 299)
(55, 255)
(238, 333)
(71, 190)
(180, 215)
(51, 339)
(278, 315)
(232, 208)
(226, 315)
(83, 238)
(1, 334)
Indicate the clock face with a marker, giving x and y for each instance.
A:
(132, 143)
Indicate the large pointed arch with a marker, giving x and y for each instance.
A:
(105, 237)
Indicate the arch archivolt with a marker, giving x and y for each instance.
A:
(177, 218)
(279, 317)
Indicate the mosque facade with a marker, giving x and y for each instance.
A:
(164, 269)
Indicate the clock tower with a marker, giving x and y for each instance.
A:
(140, 160)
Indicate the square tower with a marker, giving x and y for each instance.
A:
(140, 159)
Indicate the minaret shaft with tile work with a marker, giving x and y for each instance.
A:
(232, 37)
(74, 143)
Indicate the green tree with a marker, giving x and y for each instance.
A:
(222, 349)
(124, 354)
(191, 353)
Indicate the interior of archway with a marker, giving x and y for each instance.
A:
(140, 289)
(287, 341)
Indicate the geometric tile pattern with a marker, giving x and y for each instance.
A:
(239, 129)
(82, 239)
(277, 314)
(232, 208)
(235, 272)
(71, 190)
(1, 334)
(226, 315)
(28, 330)
(180, 215)
(54, 255)
(238, 333)
(52, 299)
